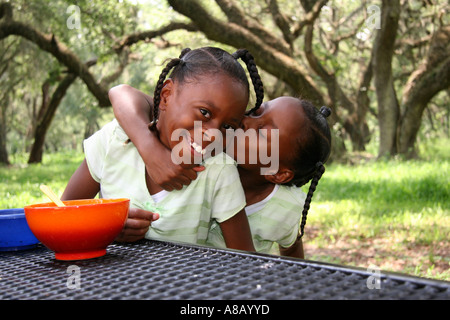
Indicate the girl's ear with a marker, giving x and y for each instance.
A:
(166, 91)
(282, 176)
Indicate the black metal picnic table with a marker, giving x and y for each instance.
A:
(155, 270)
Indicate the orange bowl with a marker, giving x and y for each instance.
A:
(80, 230)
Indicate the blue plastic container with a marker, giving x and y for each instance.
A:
(14, 231)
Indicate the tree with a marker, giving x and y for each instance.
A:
(317, 49)
(112, 38)
(431, 77)
(278, 52)
(399, 122)
(388, 107)
(49, 43)
(9, 50)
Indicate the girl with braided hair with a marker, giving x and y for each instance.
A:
(275, 203)
(206, 85)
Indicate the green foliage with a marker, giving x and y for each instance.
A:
(105, 22)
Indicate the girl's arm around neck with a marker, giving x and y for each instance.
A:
(132, 109)
(236, 232)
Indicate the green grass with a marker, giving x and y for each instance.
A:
(392, 214)
(378, 195)
(20, 182)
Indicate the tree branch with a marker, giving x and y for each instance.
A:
(6, 12)
(282, 22)
(310, 17)
(131, 39)
(59, 51)
(124, 57)
(47, 116)
(273, 61)
(237, 16)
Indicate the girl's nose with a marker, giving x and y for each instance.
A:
(245, 123)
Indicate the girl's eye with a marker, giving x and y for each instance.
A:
(206, 113)
(228, 127)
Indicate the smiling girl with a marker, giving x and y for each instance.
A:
(276, 207)
(206, 85)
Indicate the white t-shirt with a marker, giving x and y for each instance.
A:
(185, 215)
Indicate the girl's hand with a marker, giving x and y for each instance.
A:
(167, 174)
(137, 225)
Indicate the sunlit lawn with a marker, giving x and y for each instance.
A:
(391, 214)
(20, 182)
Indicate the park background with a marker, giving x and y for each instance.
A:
(382, 66)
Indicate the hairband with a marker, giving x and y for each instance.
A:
(325, 111)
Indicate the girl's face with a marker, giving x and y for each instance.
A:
(284, 115)
(218, 101)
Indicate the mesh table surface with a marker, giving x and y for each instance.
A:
(160, 270)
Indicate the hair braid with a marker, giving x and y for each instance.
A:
(157, 94)
(320, 169)
(183, 52)
(247, 57)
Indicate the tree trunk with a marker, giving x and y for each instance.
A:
(355, 124)
(388, 107)
(46, 119)
(430, 78)
(3, 151)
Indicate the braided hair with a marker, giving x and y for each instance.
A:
(254, 75)
(192, 64)
(313, 150)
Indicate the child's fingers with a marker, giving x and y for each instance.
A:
(183, 178)
(198, 168)
(174, 177)
(141, 214)
(137, 224)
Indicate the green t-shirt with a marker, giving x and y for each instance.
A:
(185, 215)
(273, 221)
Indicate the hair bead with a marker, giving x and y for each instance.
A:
(184, 52)
(325, 111)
